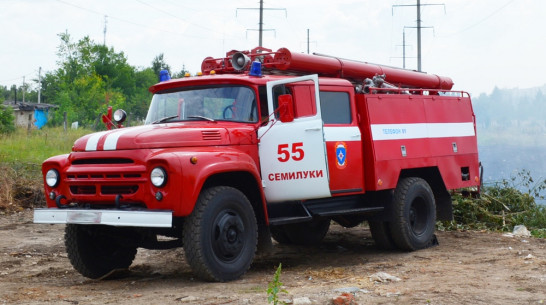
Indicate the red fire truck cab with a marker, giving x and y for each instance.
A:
(265, 144)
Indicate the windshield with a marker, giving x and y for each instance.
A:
(232, 103)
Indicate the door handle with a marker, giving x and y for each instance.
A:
(312, 129)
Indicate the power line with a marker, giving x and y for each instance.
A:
(482, 20)
(181, 19)
(134, 23)
(419, 26)
(261, 23)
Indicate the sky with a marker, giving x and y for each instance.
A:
(480, 44)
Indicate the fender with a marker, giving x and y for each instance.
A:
(56, 162)
(212, 161)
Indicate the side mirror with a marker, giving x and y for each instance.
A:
(286, 108)
(119, 116)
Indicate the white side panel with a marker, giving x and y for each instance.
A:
(342, 133)
(421, 131)
(292, 154)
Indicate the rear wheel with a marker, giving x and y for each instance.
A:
(414, 214)
(95, 251)
(220, 236)
(382, 235)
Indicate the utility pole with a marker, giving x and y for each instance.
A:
(403, 45)
(105, 25)
(404, 48)
(419, 26)
(39, 84)
(307, 41)
(418, 35)
(24, 89)
(261, 23)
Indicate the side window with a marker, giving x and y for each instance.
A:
(335, 107)
(277, 91)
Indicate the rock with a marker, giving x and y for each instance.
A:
(344, 299)
(390, 294)
(186, 299)
(521, 231)
(528, 257)
(347, 290)
(302, 300)
(352, 290)
(383, 277)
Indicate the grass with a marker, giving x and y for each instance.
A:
(21, 157)
(501, 206)
(37, 145)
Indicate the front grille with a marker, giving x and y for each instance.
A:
(83, 189)
(118, 189)
(103, 176)
(93, 178)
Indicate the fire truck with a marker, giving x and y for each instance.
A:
(260, 145)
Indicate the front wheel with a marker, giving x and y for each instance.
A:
(414, 210)
(220, 236)
(95, 251)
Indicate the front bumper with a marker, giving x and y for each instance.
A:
(120, 218)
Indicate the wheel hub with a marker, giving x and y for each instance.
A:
(228, 239)
(418, 217)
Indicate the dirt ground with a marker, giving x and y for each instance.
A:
(466, 268)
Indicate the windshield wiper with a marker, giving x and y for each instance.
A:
(165, 119)
(200, 117)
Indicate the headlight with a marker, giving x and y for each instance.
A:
(52, 178)
(158, 177)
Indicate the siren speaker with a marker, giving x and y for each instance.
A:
(240, 61)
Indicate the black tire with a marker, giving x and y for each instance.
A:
(95, 251)
(307, 233)
(221, 235)
(414, 212)
(382, 236)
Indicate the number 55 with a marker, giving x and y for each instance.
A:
(284, 153)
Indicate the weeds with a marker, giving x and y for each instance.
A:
(275, 287)
(38, 145)
(501, 206)
(21, 156)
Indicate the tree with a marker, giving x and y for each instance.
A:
(159, 64)
(90, 77)
(7, 120)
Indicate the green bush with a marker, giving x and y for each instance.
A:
(501, 206)
(7, 120)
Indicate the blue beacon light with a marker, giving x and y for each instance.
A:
(164, 76)
(256, 69)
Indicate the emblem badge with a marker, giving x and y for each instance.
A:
(341, 155)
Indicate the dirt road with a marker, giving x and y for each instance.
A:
(466, 268)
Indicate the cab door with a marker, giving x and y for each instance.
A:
(292, 154)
